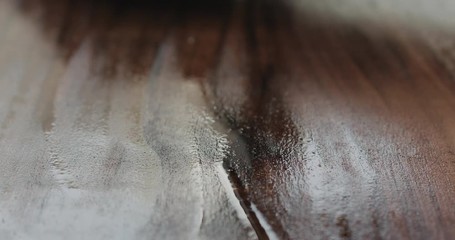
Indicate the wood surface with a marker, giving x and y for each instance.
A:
(227, 119)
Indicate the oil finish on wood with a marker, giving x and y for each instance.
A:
(295, 119)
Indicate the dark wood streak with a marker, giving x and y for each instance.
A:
(242, 195)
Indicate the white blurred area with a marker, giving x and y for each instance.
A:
(415, 13)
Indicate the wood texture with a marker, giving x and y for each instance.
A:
(227, 120)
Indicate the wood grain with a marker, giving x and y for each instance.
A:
(228, 120)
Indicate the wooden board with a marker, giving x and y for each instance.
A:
(227, 120)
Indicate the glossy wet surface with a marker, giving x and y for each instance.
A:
(235, 120)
